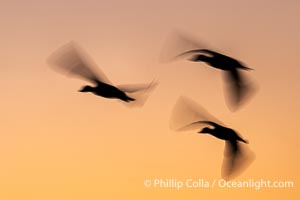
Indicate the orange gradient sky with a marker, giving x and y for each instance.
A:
(57, 143)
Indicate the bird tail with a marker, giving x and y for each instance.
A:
(128, 99)
(245, 141)
(247, 68)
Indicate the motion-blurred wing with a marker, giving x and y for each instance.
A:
(237, 158)
(70, 59)
(231, 156)
(186, 114)
(198, 125)
(177, 43)
(197, 52)
(238, 89)
(140, 92)
(132, 88)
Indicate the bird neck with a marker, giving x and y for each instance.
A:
(204, 58)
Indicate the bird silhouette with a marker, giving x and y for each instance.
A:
(72, 60)
(215, 59)
(108, 91)
(238, 86)
(236, 156)
(221, 132)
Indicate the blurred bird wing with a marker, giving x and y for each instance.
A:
(231, 156)
(70, 59)
(186, 115)
(213, 53)
(194, 51)
(140, 92)
(198, 51)
(237, 88)
(192, 126)
(177, 42)
(231, 148)
(235, 77)
(131, 88)
(237, 158)
(198, 125)
(209, 123)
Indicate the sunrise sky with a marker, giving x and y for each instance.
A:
(57, 143)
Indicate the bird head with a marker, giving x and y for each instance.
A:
(197, 58)
(205, 130)
(86, 89)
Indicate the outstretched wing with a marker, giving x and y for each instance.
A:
(70, 59)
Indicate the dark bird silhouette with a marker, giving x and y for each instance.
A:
(72, 60)
(221, 132)
(106, 90)
(236, 155)
(237, 85)
(215, 59)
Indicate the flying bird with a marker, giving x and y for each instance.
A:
(221, 132)
(238, 86)
(215, 59)
(236, 156)
(72, 60)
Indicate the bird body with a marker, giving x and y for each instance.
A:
(72, 60)
(238, 87)
(217, 60)
(218, 131)
(237, 156)
(234, 156)
(107, 91)
(221, 132)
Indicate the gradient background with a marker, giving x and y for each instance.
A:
(57, 143)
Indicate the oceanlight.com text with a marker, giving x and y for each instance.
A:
(216, 183)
